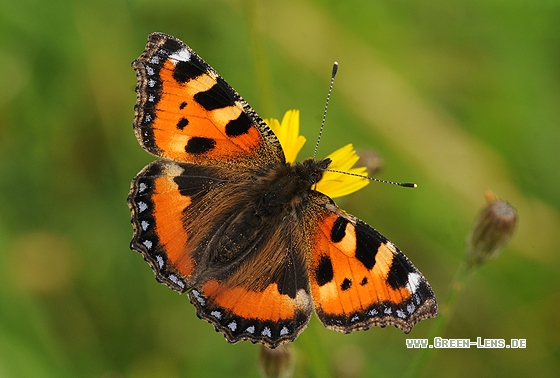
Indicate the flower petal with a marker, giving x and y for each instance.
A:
(335, 184)
(288, 134)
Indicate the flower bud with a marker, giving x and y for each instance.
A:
(491, 231)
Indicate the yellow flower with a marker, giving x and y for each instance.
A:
(333, 184)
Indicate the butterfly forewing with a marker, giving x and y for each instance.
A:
(185, 111)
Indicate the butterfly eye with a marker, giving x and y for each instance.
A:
(317, 168)
(316, 177)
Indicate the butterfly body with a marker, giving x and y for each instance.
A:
(222, 215)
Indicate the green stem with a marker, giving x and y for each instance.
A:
(446, 310)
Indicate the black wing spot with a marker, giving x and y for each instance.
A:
(339, 229)
(195, 179)
(364, 281)
(185, 71)
(324, 273)
(398, 274)
(172, 45)
(368, 242)
(183, 105)
(199, 145)
(239, 126)
(214, 98)
(346, 284)
(183, 122)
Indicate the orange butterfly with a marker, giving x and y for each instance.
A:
(224, 217)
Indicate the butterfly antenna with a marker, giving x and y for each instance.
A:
(403, 184)
(334, 70)
(333, 75)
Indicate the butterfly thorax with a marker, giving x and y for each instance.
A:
(287, 185)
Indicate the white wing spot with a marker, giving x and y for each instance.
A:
(388, 311)
(372, 312)
(232, 326)
(354, 318)
(284, 331)
(266, 332)
(144, 225)
(151, 97)
(142, 206)
(148, 118)
(216, 314)
(401, 314)
(414, 280)
(176, 280)
(250, 329)
(151, 83)
(410, 308)
(149, 70)
(155, 59)
(147, 244)
(142, 186)
(198, 297)
(159, 261)
(182, 55)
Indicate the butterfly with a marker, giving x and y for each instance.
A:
(223, 217)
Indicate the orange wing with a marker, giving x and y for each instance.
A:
(360, 279)
(195, 226)
(272, 315)
(158, 201)
(186, 111)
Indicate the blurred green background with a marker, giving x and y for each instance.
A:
(458, 96)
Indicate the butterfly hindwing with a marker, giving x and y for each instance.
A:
(186, 111)
(246, 274)
(159, 201)
(360, 279)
